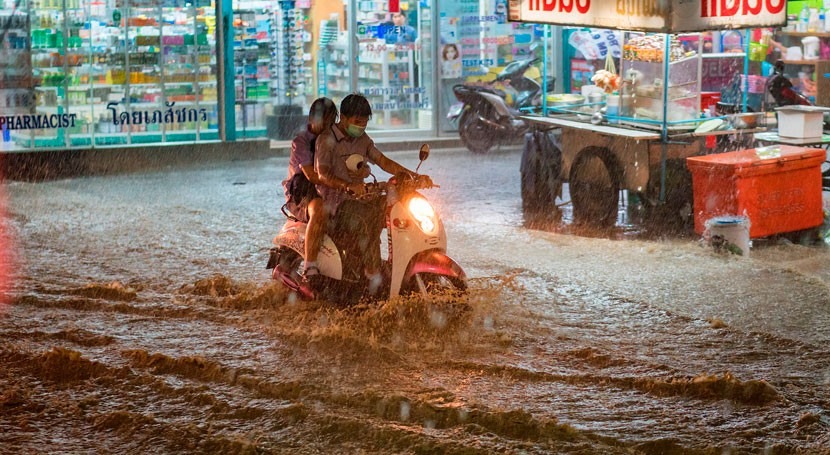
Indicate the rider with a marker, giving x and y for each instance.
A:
(301, 196)
(334, 146)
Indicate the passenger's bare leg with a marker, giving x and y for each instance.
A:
(314, 230)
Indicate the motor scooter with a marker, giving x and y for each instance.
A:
(489, 114)
(417, 259)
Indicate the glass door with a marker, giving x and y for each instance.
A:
(393, 68)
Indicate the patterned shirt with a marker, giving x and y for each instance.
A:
(333, 147)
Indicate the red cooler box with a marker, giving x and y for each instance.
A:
(778, 188)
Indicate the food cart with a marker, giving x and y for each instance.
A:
(642, 147)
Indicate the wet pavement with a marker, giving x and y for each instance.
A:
(142, 319)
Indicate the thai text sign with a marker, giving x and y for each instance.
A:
(666, 16)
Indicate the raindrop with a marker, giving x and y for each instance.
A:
(404, 411)
(488, 322)
(292, 298)
(429, 424)
(323, 320)
(438, 319)
(462, 415)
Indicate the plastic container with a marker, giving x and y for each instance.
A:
(778, 188)
(801, 122)
(708, 101)
(811, 47)
(730, 233)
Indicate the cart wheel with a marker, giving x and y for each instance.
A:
(476, 135)
(541, 182)
(594, 184)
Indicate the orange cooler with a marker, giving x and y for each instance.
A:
(778, 188)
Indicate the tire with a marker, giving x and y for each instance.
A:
(428, 284)
(541, 178)
(594, 184)
(476, 135)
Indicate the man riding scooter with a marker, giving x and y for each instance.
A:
(341, 189)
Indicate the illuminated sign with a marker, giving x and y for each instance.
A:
(652, 15)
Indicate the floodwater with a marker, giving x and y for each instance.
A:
(142, 320)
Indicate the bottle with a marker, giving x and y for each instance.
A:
(803, 19)
(812, 22)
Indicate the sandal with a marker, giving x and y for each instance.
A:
(313, 279)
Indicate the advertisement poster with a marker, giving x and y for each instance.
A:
(450, 61)
(581, 72)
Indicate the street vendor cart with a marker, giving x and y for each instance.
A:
(642, 144)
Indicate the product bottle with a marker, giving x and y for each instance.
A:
(813, 21)
(803, 19)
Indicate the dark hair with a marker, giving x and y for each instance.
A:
(321, 115)
(355, 105)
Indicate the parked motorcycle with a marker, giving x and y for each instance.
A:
(488, 114)
(417, 261)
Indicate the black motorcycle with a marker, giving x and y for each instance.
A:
(484, 116)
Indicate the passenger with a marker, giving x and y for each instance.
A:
(365, 218)
(302, 199)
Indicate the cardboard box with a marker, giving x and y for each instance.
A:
(778, 188)
(801, 121)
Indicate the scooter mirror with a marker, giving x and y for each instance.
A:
(423, 154)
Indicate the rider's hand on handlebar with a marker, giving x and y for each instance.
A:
(357, 189)
(424, 181)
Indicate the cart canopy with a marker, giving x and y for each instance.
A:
(663, 16)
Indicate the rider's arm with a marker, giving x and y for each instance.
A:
(301, 148)
(385, 163)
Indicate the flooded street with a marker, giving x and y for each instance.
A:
(142, 319)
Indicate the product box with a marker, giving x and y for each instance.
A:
(778, 188)
(801, 122)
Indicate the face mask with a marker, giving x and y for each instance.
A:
(355, 131)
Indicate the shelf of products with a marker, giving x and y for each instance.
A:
(806, 75)
(252, 66)
(128, 71)
(648, 79)
(386, 76)
(16, 82)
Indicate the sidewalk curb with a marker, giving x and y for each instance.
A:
(40, 165)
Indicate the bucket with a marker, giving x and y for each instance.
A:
(729, 233)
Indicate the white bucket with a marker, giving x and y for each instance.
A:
(729, 233)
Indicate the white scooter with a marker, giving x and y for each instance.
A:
(417, 243)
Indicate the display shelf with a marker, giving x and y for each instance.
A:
(652, 87)
(813, 69)
(159, 52)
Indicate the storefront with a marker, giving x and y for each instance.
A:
(103, 73)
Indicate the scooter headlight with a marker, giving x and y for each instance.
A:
(424, 214)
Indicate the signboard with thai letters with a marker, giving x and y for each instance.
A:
(664, 16)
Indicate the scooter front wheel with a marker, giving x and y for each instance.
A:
(427, 284)
(476, 135)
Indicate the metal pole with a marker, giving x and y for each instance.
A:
(225, 71)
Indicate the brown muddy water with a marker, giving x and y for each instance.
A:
(142, 320)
